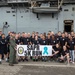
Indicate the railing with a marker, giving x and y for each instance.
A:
(51, 3)
(46, 7)
(3, 0)
(69, 1)
(17, 1)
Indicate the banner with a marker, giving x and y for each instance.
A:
(33, 50)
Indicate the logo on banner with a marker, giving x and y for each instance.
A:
(20, 50)
(45, 50)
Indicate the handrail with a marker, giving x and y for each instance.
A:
(17, 0)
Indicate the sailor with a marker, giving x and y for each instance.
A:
(12, 56)
(3, 48)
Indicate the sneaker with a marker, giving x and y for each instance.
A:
(26, 59)
(11, 65)
(36, 60)
(72, 62)
(19, 60)
(23, 60)
(33, 59)
(7, 60)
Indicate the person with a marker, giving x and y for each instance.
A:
(63, 41)
(43, 41)
(12, 56)
(71, 45)
(22, 36)
(64, 55)
(32, 38)
(8, 38)
(0, 40)
(3, 48)
(72, 34)
(25, 41)
(48, 38)
(18, 42)
(0, 34)
(36, 47)
(56, 52)
(53, 41)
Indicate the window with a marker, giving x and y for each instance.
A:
(66, 10)
(7, 11)
(13, 11)
(13, 15)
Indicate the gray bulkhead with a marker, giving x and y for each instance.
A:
(22, 19)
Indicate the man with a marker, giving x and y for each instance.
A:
(63, 41)
(8, 39)
(25, 41)
(12, 56)
(3, 48)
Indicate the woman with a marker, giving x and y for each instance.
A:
(36, 47)
(56, 52)
(53, 41)
(71, 46)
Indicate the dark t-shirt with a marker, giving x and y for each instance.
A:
(43, 42)
(57, 40)
(74, 39)
(64, 52)
(63, 41)
(25, 41)
(32, 39)
(0, 37)
(36, 42)
(57, 49)
(0, 40)
(71, 44)
(8, 38)
(48, 41)
(3, 44)
(53, 42)
(18, 41)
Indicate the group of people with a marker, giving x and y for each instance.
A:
(63, 45)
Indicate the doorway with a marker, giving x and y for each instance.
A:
(68, 25)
